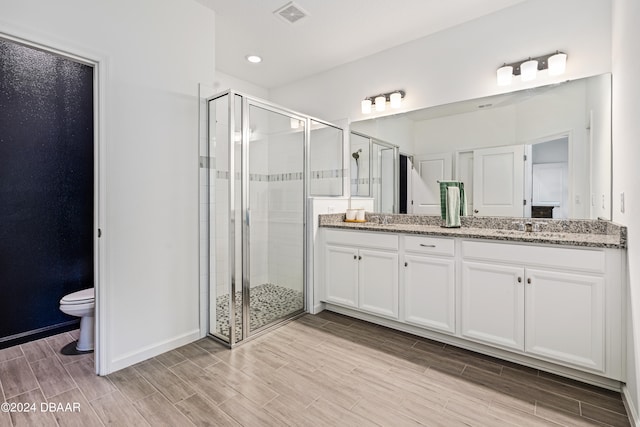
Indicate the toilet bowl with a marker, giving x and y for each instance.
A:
(81, 304)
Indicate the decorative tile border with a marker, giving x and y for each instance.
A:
(283, 177)
(365, 181)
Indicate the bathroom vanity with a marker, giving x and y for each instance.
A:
(551, 299)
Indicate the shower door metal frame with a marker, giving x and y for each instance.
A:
(249, 102)
(244, 238)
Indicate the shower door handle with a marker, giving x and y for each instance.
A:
(248, 217)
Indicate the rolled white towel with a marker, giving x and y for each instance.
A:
(453, 207)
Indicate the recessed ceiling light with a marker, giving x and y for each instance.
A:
(254, 59)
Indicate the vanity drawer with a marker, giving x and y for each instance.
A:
(429, 245)
(583, 259)
(362, 238)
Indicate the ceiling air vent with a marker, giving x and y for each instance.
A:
(291, 13)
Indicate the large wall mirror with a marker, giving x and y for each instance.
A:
(541, 153)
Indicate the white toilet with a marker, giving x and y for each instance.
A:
(82, 304)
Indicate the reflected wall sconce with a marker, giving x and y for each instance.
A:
(394, 98)
(528, 68)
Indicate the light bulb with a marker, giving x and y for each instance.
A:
(557, 64)
(395, 99)
(529, 70)
(366, 106)
(505, 74)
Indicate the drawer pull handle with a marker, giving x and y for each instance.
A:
(427, 246)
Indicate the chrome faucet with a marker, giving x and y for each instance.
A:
(528, 226)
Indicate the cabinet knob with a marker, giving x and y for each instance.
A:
(355, 257)
(529, 280)
(359, 257)
(519, 279)
(406, 264)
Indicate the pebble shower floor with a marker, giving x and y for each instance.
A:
(268, 302)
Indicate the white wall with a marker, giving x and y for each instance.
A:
(626, 153)
(225, 81)
(460, 63)
(153, 55)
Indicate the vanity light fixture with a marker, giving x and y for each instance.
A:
(527, 69)
(394, 98)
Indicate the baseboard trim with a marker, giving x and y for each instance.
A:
(36, 334)
(630, 406)
(318, 308)
(152, 350)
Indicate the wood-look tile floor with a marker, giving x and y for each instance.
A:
(322, 370)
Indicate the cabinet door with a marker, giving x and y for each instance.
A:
(341, 275)
(565, 317)
(378, 282)
(493, 304)
(429, 292)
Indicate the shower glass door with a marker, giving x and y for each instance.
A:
(273, 206)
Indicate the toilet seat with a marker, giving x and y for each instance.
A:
(81, 297)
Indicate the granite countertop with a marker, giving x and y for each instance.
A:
(586, 233)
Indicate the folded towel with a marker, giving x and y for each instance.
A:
(443, 197)
(453, 207)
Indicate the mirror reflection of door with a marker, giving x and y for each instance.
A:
(498, 181)
(428, 170)
(548, 179)
(404, 185)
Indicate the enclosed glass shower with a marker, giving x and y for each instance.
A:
(258, 181)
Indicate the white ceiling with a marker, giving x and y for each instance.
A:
(335, 32)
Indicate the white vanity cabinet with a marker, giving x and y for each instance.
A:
(429, 297)
(361, 271)
(547, 302)
(553, 307)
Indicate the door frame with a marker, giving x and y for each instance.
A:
(99, 64)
